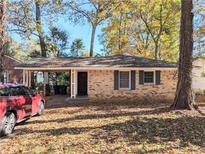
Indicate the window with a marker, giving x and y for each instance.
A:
(31, 91)
(124, 79)
(4, 92)
(19, 91)
(148, 77)
(28, 91)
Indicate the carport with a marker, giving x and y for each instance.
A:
(28, 79)
(77, 77)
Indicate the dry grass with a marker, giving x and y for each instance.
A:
(110, 128)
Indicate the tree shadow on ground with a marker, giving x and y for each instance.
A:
(108, 105)
(154, 130)
(142, 127)
(98, 116)
(186, 130)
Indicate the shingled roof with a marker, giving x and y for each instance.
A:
(107, 61)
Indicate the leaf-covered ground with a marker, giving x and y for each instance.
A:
(131, 127)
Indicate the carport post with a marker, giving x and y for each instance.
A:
(29, 78)
(73, 83)
(25, 78)
(45, 75)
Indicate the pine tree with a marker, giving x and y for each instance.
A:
(184, 98)
(2, 34)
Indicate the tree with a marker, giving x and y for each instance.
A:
(94, 11)
(184, 98)
(22, 22)
(160, 22)
(115, 36)
(76, 47)
(2, 34)
(57, 42)
(39, 28)
(145, 27)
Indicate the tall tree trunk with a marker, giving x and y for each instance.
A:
(184, 98)
(119, 40)
(2, 35)
(120, 34)
(39, 28)
(92, 40)
(156, 51)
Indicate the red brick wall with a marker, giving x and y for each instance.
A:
(14, 76)
(101, 86)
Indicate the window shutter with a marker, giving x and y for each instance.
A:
(116, 80)
(141, 77)
(133, 80)
(157, 77)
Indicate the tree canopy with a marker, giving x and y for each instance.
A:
(148, 28)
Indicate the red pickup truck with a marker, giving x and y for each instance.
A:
(18, 103)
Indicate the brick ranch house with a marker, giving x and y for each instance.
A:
(108, 77)
(10, 75)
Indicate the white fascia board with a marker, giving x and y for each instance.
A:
(94, 68)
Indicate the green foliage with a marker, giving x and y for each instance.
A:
(147, 28)
(144, 27)
(59, 78)
(28, 22)
(39, 87)
(57, 42)
(16, 50)
(76, 47)
(203, 74)
(94, 12)
(62, 79)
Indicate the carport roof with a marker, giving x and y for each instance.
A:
(119, 61)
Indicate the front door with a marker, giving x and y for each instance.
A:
(82, 83)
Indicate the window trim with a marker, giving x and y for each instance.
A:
(154, 78)
(129, 80)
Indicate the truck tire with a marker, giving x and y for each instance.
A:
(41, 108)
(8, 124)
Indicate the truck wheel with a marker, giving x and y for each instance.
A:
(9, 122)
(41, 108)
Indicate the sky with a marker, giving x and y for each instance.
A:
(82, 31)
(74, 31)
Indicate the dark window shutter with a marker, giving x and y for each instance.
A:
(116, 80)
(133, 80)
(141, 77)
(158, 77)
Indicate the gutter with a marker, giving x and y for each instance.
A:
(94, 68)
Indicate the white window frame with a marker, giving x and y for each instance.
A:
(129, 80)
(154, 80)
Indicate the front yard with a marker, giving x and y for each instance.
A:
(110, 128)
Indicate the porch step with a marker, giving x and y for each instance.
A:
(77, 100)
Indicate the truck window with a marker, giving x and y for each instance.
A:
(18, 91)
(4, 92)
